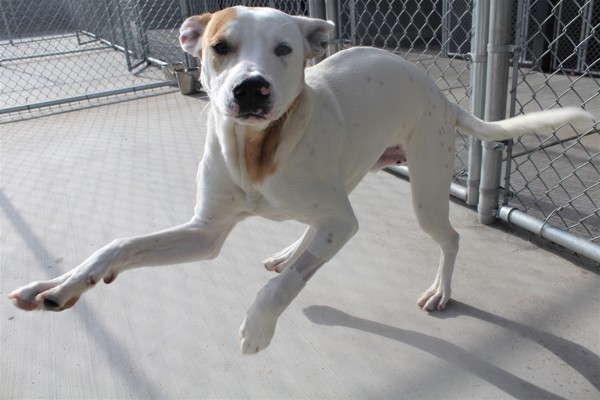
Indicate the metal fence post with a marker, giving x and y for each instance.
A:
(480, 31)
(331, 11)
(124, 32)
(499, 53)
(141, 32)
(186, 11)
(111, 27)
(316, 9)
(352, 17)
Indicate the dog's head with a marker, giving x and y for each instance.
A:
(253, 59)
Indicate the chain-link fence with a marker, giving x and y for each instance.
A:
(557, 64)
(56, 50)
(557, 178)
(62, 49)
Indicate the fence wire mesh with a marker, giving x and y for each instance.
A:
(557, 177)
(57, 49)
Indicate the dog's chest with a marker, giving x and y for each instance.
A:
(256, 203)
(258, 153)
(250, 155)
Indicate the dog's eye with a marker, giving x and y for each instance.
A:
(221, 48)
(282, 49)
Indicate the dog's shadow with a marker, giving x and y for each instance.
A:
(578, 357)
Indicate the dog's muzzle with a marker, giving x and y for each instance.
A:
(253, 98)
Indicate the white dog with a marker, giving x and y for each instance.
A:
(285, 141)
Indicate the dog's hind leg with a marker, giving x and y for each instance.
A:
(280, 261)
(430, 162)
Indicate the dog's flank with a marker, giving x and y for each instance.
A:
(294, 149)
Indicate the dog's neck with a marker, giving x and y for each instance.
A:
(257, 150)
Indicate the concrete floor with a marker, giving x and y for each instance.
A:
(524, 322)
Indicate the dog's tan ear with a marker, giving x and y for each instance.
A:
(316, 35)
(191, 31)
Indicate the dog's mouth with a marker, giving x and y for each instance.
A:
(257, 117)
(245, 115)
(250, 115)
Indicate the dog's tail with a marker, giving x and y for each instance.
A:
(544, 122)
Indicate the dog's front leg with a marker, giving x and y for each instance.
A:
(194, 240)
(258, 327)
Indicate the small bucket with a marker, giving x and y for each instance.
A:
(169, 71)
(188, 80)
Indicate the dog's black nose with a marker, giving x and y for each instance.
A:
(253, 96)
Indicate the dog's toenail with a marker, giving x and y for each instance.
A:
(51, 305)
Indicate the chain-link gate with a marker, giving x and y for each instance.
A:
(68, 49)
(58, 50)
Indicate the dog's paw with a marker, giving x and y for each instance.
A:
(277, 262)
(258, 328)
(434, 298)
(37, 296)
(62, 292)
(256, 332)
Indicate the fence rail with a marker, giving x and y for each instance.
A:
(58, 50)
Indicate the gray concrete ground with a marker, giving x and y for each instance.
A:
(524, 322)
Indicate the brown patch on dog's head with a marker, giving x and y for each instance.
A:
(200, 32)
(215, 30)
(216, 35)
